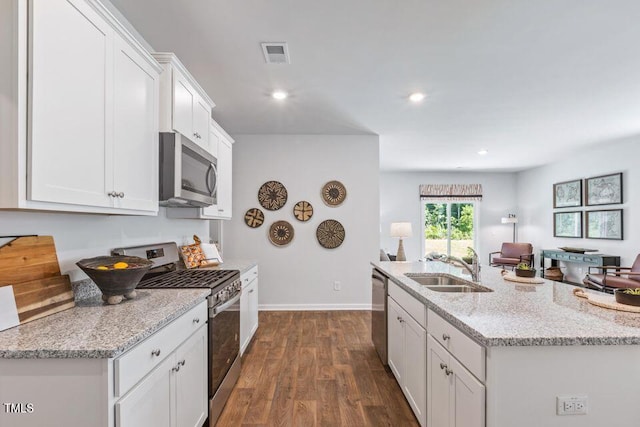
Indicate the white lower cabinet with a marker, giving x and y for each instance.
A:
(455, 397)
(174, 394)
(248, 308)
(408, 357)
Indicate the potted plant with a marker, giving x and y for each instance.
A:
(525, 270)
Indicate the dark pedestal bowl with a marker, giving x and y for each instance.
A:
(115, 283)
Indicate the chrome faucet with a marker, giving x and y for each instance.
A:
(474, 268)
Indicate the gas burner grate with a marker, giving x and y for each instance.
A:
(189, 279)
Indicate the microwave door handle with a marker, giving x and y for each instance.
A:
(215, 176)
(206, 178)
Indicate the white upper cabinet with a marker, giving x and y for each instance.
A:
(80, 133)
(184, 105)
(135, 142)
(72, 50)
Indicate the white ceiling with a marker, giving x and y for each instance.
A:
(527, 80)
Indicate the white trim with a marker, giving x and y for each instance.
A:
(313, 307)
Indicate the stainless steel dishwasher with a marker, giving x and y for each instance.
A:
(379, 283)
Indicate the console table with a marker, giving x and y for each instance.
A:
(597, 260)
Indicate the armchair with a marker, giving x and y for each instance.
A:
(611, 277)
(512, 254)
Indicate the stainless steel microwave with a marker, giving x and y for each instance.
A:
(188, 173)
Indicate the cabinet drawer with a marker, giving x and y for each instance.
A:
(411, 305)
(467, 351)
(249, 276)
(141, 359)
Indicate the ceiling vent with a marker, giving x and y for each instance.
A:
(276, 53)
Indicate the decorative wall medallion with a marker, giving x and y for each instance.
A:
(334, 193)
(281, 233)
(254, 218)
(303, 211)
(272, 195)
(330, 234)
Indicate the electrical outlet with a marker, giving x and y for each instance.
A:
(337, 286)
(571, 405)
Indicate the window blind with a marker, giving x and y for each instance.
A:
(439, 193)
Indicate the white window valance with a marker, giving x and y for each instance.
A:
(450, 192)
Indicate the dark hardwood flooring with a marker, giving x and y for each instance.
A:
(310, 368)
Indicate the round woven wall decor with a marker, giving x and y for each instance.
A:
(330, 234)
(254, 218)
(281, 233)
(272, 195)
(303, 211)
(334, 193)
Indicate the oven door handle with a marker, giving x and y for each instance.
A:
(217, 310)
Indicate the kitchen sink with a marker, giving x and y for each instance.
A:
(446, 283)
(461, 289)
(436, 280)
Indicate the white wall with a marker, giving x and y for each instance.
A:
(400, 201)
(301, 275)
(535, 199)
(80, 236)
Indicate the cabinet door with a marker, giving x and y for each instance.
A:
(191, 381)
(245, 321)
(70, 77)
(183, 101)
(201, 121)
(415, 382)
(438, 385)
(151, 402)
(253, 308)
(225, 159)
(395, 339)
(135, 139)
(467, 397)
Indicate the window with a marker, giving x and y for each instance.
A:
(449, 227)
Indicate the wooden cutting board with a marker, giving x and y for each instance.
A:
(531, 280)
(605, 301)
(30, 265)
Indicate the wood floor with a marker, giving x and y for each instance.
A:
(315, 369)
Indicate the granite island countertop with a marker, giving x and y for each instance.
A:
(517, 314)
(93, 329)
(235, 264)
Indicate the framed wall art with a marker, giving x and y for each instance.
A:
(567, 224)
(567, 194)
(604, 224)
(604, 190)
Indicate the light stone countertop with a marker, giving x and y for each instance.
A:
(517, 314)
(93, 329)
(235, 264)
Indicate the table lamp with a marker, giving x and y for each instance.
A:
(401, 229)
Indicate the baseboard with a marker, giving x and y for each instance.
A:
(313, 307)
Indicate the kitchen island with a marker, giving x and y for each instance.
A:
(535, 343)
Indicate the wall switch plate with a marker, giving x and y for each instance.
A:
(571, 405)
(336, 286)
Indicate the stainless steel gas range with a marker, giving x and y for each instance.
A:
(224, 313)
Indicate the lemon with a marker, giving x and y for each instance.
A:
(102, 267)
(120, 265)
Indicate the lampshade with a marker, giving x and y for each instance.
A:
(510, 220)
(400, 229)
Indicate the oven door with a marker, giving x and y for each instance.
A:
(188, 173)
(224, 340)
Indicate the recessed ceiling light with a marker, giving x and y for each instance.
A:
(416, 97)
(279, 95)
(483, 152)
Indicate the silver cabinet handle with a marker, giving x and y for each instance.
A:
(196, 320)
(112, 194)
(220, 210)
(182, 362)
(176, 368)
(251, 291)
(448, 371)
(155, 352)
(445, 337)
(195, 134)
(121, 195)
(443, 366)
